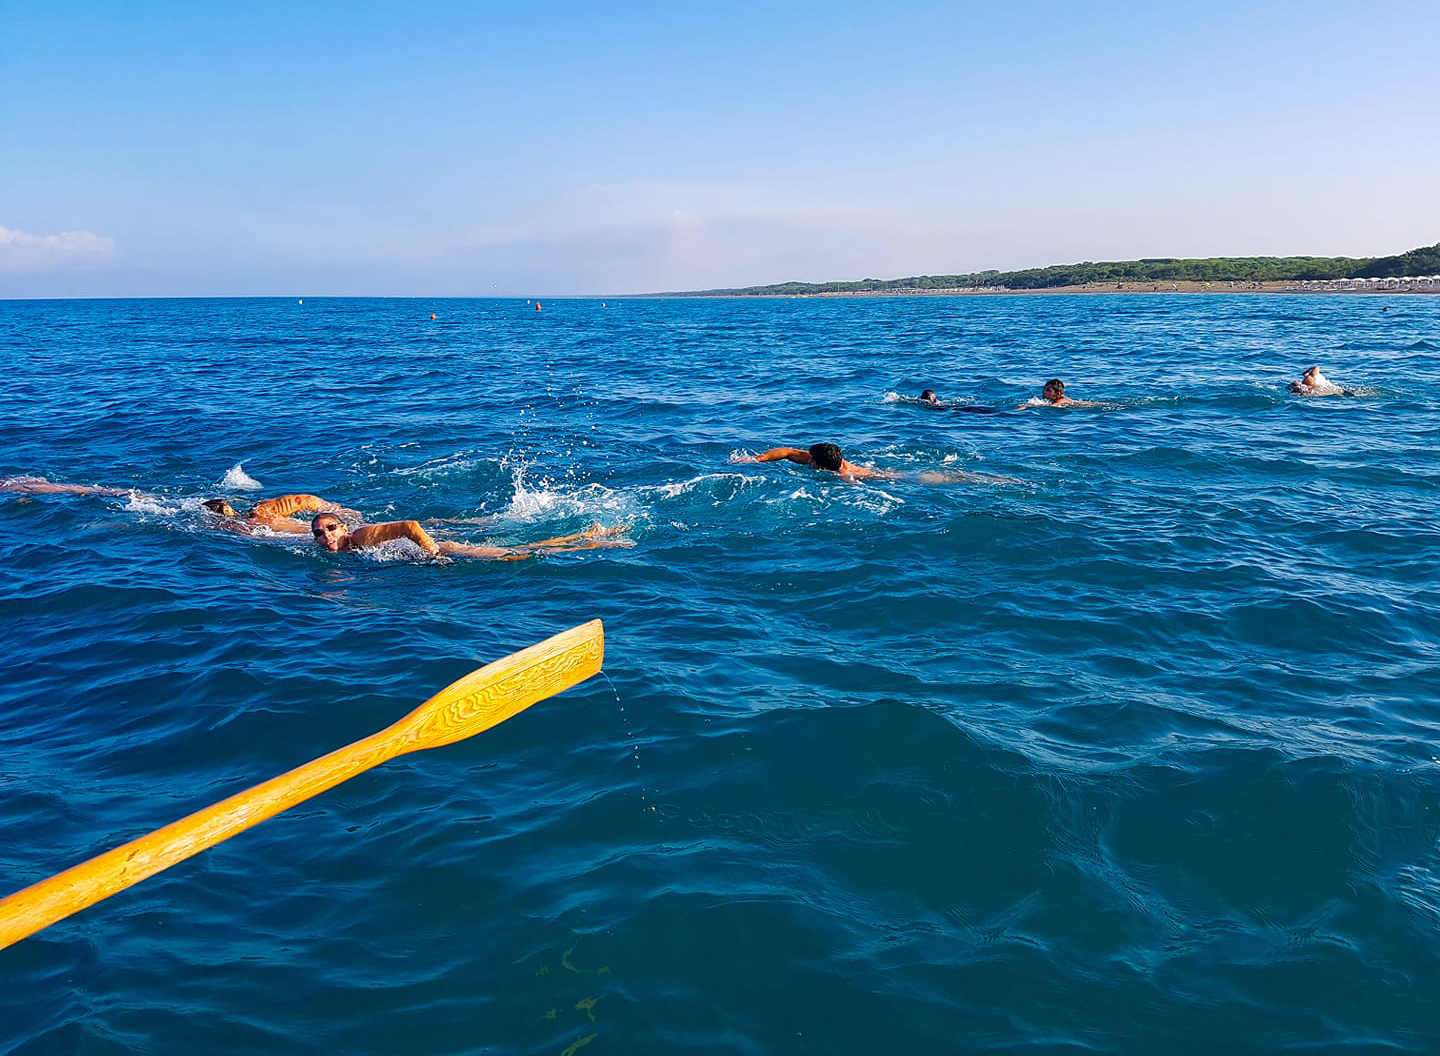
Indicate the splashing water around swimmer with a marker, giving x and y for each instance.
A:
(237, 479)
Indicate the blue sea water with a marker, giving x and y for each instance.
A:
(1103, 730)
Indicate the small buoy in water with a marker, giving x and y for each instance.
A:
(432, 315)
(537, 306)
(300, 301)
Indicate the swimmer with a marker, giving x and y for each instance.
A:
(41, 486)
(821, 456)
(1313, 383)
(332, 534)
(1053, 395)
(828, 456)
(928, 398)
(275, 515)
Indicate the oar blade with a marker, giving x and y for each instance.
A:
(497, 691)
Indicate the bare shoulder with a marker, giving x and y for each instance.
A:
(851, 471)
(375, 534)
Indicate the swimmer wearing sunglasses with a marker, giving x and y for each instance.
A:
(330, 533)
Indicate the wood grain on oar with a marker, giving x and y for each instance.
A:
(481, 699)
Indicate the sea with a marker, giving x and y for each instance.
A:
(1103, 729)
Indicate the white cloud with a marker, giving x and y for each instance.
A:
(20, 251)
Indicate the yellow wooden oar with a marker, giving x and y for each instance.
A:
(481, 699)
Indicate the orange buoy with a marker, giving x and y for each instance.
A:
(432, 315)
(537, 306)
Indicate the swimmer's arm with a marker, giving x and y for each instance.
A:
(852, 472)
(493, 553)
(39, 486)
(277, 514)
(377, 534)
(593, 538)
(790, 454)
(289, 505)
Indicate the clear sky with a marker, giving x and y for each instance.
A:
(158, 148)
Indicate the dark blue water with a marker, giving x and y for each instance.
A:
(1107, 730)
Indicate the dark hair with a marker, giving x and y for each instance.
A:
(826, 456)
(315, 521)
(220, 506)
(1054, 383)
(929, 396)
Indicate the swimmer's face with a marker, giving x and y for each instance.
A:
(329, 533)
(1052, 392)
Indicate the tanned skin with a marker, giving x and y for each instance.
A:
(332, 534)
(821, 456)
(277, 514)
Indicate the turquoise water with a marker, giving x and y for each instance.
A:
(1123, 740)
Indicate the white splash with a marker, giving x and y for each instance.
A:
(684, 487)
(140, 502)
(437, 468)
(236, 479)
(395, 550)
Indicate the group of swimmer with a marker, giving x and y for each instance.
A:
(338, 529)
(1052, 394)
(829, 456)
(327, 528)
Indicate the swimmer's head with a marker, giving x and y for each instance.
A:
(1311, 374)
(329, 532)
(928, 396)
(1054, 389)
(826, 456)
(220, 506)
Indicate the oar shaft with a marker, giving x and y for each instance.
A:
(41, 904)
(476, 702)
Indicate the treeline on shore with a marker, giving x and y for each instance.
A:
(1423, 261)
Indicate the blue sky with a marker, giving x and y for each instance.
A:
(475, 149)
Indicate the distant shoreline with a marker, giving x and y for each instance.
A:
(1337, 286)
